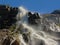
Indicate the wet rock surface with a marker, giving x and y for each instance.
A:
(15, 43)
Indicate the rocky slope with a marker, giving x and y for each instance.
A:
(7, 16)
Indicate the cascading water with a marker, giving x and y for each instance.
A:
(30, 34)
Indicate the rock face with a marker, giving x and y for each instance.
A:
(33, 18)
(53, 17)
(7, 16)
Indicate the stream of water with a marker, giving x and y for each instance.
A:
(35, 35)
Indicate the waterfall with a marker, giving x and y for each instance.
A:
(36, 34)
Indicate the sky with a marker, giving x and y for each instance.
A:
(41, 6)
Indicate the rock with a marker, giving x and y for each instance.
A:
(15, 43)
(25, 37)
(37, 15)
(7, 16)
(32, 18)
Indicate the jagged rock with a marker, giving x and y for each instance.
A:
(25, 37)
(7, 16)
(33, 18)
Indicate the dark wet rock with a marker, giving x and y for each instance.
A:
(42, 42)
(7, 16)
(15, 43)
(32, 18)
(29, 14)
(25, 37)
(36, 15)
